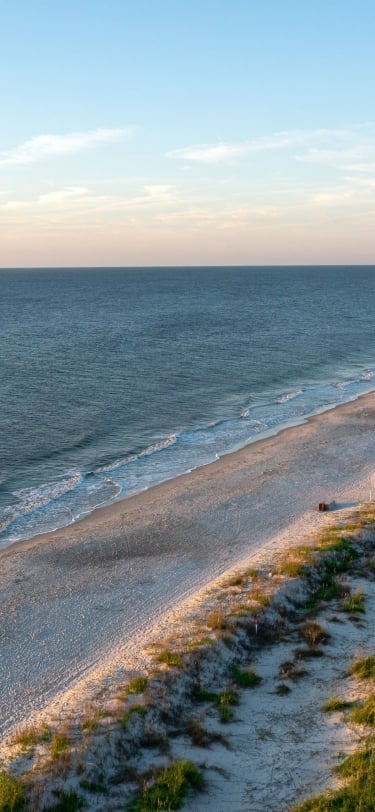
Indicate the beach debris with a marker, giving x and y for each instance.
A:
(323, 506)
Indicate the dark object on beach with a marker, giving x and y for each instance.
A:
(323, 506)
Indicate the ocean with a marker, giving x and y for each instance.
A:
(115, 379)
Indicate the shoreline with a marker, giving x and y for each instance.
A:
(265, 435)
(115, 507)
(83, 601)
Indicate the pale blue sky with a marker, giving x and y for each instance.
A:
(174, 132)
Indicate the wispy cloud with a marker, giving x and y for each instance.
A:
(80, 201)
(46, 146)
(221, 151)
(338, 198)
(335, 147)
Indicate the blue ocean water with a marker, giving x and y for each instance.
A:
(113, 380)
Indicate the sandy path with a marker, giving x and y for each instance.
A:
(87, 597)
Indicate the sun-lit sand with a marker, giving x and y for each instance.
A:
(79, 604)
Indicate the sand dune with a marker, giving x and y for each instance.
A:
(81, 602)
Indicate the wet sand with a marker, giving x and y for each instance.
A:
(83, 601)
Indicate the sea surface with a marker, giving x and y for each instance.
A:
(115, 379)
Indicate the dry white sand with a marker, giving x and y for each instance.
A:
(81, 602)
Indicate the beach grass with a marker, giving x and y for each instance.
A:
(354, 603)
(335, 704)
(364, 668)
(59, 744)
(31, 735)
(12, 797)
(171, 658)
(168, 789)
(359, 792)
(364, 713)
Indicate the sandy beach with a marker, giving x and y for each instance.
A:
(80, 603)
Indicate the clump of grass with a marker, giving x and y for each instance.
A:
(252, 573)
(313, 633)
(59, 744)
(363, 668)
(354, 604)
(225, 714)
(12, 797)
(91, 722)
(334, 703)
(227, 699)
(68, 802)
(198, 733)
(140, 709)
(200, 642)
(137, 685)
(169, 657)
(246, 678)
(199, 736)
(237, 580)
(204, 696)
(358, 795)
(327, 592)
(217, 621)
(244, 609)
(339, 552)
(32, 735)
(364, 713)
(260, 597)
(169, 789)
(223, 701)
(292, 567)
(362, 762)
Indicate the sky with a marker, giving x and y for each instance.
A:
(178, 132)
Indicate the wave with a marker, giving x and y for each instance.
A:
(152, 449)
(289, 396)
(60, 502)
(30, 499)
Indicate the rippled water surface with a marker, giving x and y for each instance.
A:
(115, 379)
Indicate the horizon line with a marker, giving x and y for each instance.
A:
(182, 267)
